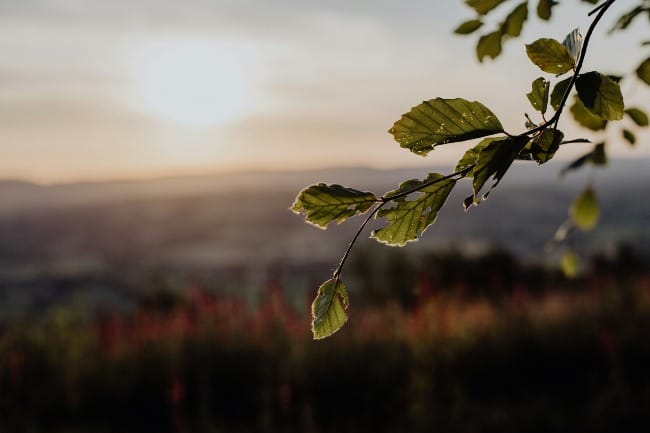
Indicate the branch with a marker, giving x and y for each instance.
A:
(583, 52)
(383, 201)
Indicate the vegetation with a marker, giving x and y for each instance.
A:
(408, 210)
(466, 344)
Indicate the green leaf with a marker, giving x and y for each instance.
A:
(483, 6)
(489, 45)
(629, 136)
(585, 118)
(328, 309)
(471, 156)
(570, 264)
(638, 116)
(626, 19)
(407, 219)
(643, 71)
(543, 148)
(441, 121)
(584, 211)
(550, 56)
(468, 27)
(601, 95)
(538, 96)
(323, 203)
(558, 93)
(514, 22)
(544, 8)
(494, 161)
(597, 157)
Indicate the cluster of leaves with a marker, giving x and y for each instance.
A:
(411, 208)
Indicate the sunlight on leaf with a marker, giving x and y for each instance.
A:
(585, 118)
(328, 309)
(323, 203)
(494, 161)
(441, 121)
(601, 95)
(407, 219)
(584, 210)
(550, 56)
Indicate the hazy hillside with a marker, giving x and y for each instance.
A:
(229, 231)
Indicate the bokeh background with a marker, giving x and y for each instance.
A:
(152, 278)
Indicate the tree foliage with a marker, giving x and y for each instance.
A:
(595, 101)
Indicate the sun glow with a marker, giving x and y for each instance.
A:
(193, 82)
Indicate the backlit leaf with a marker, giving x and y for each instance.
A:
(597, 157)
(570, 264)
(601, 95)
(543, 148)
(493, 162)
(514, 22)
(538, 96)
(489, 45)
(585, 118)
(328, 309)
(558, 93)
(323, 203)
(584, 211)
(550, 56)
(441, 121)
(483, 6)
(643, 71)
(468, 27)
(638, 116)
(471, 156)
(408, 219)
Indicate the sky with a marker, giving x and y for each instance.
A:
(97, 90)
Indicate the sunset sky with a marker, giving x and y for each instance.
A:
(95, 89)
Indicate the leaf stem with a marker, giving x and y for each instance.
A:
(383, 201)
(583, 52)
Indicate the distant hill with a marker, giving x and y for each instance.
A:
(229, 230)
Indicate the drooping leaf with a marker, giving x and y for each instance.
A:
(585, 118)
(629, 136)
(584, 211)
(514, 22)
(597, 157)
(544, 9)
(538, 96)
(643, 71)
(638, 116)
(601, 95)
(570, 264)
(626, 19)
(489, 45)
(323, 203)
(328, 309)
(468, 27)
(471, 156)
(441, 121)
(573, 43)
(493, 162)
(483, 6)
(558, 93)
(543, 148)
(550, 56)
(408, 219)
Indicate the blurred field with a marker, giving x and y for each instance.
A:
(485, 345)
(182, 305)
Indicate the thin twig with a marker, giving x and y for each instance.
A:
(384, 201)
